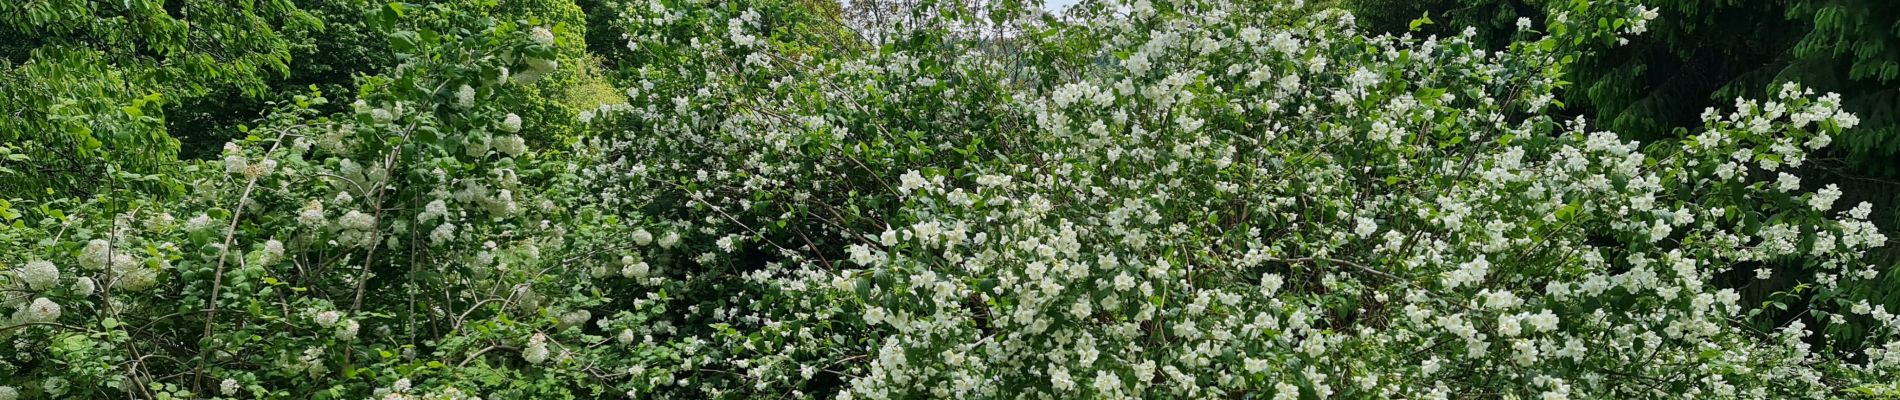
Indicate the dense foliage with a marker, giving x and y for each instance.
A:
(86, 80)
(1175, 199)
(1653, 86)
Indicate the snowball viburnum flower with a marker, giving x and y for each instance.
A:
(327, 318)
(512, 145)
(347, 332)
(511, 123)
(465, 97)
(542, 36)
(40, 310)
(85, 286)
(39, 274)
(642, 237)
(668, 240)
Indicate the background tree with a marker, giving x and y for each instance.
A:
(89, 80)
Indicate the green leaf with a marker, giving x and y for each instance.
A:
(405, 42)
(1569, 210)
(1423, 20)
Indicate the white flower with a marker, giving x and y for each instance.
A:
(41, 310)
(1787, 183)
(1468, 273)
(1861, 211)
(1659, 230)
(1123, 282)
(357, 220)
(1250, 35)
(465, 97)
(96, 255)
(229, 387)
(536, 351)
(1508, 325)
(1285, 391)
(1523, 23)
(636, 270)
(1255, 365)
(312, 214)
(542, 36)
(9, 393)
(273, 251)
(1362, 78)
(1284, 43)
(1145, 371)
(1824, 199)
(512, 145)
(1270, 283)
(888, 238)
(1524, 351)
(435, 209)
(132, 276)
(235, 164)
(576, 317)
(911, 181)
(327, 318)
(511, 123)
(39, 274)
(1366, 227)
(1545, 321)
(861, 254)
(1106, 382)
(401, 385)
(671, 238)
(442, 234)
(347, 332)
(1137, 64)
(85, 286)
(1500, 299)
(642, 237)
(198, 223)
(1059, 379)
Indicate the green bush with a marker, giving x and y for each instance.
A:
(1183, 199)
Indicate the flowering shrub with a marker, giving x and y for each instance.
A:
(1187, 199)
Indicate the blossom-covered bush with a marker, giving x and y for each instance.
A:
(1176, 199)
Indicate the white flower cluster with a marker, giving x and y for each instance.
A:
(40, 310)
(536, 351)
(39, 274)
